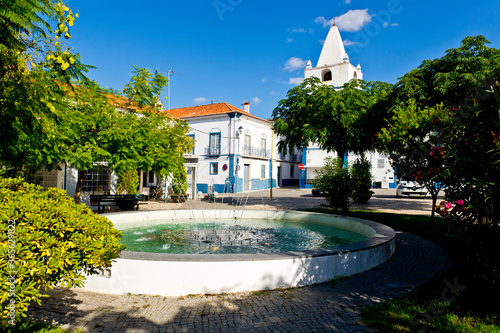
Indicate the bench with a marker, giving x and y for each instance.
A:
(124, 201)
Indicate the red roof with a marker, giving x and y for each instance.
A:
(208, 109)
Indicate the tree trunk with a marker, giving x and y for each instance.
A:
(340, 156)
(434, 189)
(434, 201)
(141, 182)
(79, 183)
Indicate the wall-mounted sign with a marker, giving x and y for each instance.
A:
(224, 167)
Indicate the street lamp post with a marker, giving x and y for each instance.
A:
(238, 134)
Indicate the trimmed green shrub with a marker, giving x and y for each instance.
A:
(361, 181)
(46, 239)
(179, 181)
(334, 180)
(128, 182)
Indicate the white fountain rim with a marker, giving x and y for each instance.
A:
(382, 235)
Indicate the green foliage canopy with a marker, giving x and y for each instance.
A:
(449, 106)
(144, 88)
(335, 119)
(36, 69)
(100, 126)
(54, 241)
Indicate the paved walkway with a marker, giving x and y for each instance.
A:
(291, 198)
(328, 307)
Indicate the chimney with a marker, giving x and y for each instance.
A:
(246, 107)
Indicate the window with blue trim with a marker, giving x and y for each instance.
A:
(263, 147)
(192, 150)
(214, 168)
(214, 145)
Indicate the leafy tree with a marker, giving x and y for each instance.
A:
(101, 127)
(336, 120)
(412, 139)
(151, 142)
(452, 103)
(144, 88)
(36, 69)
(80, 129)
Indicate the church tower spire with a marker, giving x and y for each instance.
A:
(333, 66)
(333, 51)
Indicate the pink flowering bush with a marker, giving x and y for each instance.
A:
(449, 209)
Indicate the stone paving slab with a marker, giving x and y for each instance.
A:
(329, 307)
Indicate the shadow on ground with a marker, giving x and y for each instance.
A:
(332, 306)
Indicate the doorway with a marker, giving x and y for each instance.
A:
(278, 180)
(246, 177)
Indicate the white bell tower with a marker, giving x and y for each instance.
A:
(333, 67)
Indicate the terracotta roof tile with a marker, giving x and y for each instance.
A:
(208, 109)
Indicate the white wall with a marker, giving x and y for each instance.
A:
(341, 73)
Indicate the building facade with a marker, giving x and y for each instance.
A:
(235, 151)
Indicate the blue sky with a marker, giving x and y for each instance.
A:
(240, 50)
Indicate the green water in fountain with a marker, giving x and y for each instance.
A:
(234, 236)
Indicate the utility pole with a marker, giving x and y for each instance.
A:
(169, 74)
(272, 150)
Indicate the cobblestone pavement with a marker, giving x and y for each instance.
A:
(328, 307)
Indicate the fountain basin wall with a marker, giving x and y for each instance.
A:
(183, 274)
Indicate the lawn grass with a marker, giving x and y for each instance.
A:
(431, 308)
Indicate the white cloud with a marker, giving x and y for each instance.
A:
(200, 100)
(264, 80)
(273, 93)
(347, 2)
(296, 80)
(323, 21)
(301, 30)
(289, 40)
(256, 100)
(386, 24)
(294, 64)
(351, 21)
(348, 42)
(322, 41)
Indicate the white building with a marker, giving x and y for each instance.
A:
(234, 150)
(334, 69)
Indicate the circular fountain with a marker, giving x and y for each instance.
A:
(238, 253)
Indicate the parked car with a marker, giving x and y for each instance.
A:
(408, 188)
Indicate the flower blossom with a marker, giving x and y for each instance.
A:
(460, 202)
(448, 205)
